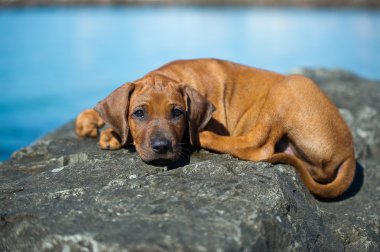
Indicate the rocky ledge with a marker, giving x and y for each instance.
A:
(64, 194)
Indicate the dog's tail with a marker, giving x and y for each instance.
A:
(338, 186)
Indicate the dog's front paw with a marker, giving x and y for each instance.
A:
(109, 140)
(87, 123)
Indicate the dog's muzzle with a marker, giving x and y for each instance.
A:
(161, 145)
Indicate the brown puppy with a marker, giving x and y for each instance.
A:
(230, 108)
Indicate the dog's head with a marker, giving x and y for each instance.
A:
(155, 116)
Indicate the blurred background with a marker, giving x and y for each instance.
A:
(60, 57)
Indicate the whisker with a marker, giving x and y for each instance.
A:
(184, 154)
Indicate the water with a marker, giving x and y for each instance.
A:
(54, 62)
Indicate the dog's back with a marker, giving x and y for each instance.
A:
(237, 91)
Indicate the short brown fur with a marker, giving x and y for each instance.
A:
(249, 113)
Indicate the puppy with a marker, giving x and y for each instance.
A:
(226, 107)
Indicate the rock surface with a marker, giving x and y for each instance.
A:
(64, 194)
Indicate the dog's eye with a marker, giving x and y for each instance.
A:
(139, 113)
(177, 113)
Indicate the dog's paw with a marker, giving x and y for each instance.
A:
(87, 123)
(109, 140)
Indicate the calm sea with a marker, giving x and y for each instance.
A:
(54, 62)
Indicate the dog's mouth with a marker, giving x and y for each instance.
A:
(160, 161)
(179, 157)
(149, 156)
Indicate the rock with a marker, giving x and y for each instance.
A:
(64, 194)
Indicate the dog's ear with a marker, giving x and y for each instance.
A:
(114, 110)
(199, 112)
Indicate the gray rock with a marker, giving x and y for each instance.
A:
(64, 194)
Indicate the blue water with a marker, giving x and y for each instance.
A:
(54, 62)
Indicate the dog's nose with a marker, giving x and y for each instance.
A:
(161, 145)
